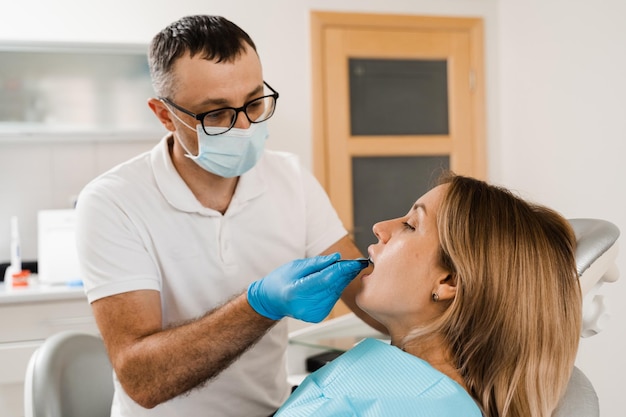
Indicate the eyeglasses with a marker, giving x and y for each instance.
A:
(216, 122)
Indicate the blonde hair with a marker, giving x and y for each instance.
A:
(515, 322)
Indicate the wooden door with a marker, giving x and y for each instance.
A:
(397, 99)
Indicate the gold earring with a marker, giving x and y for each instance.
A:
(435, 297)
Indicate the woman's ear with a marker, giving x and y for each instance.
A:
(162, 113)
(446, 289)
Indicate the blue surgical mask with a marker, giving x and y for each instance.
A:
(230, 154)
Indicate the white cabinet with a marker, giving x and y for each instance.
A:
(27, 317)
(75, 91)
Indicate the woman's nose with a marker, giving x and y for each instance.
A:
(381, 230)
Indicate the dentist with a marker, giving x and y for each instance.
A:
(187, 250)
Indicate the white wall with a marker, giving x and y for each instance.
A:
(555, 105)
(563, 136)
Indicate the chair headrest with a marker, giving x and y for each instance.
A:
(594, 237)
(596, 253)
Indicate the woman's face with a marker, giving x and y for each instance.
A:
(398, 291)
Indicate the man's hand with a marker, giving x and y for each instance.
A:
(305, 289)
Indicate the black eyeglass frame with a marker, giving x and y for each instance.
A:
(200, 116)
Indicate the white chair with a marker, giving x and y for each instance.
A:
(69, 375)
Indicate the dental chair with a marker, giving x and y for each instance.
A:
(69, 375)
(596, 253)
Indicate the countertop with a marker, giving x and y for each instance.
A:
(38, 292)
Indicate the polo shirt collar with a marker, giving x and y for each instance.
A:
(174, 189)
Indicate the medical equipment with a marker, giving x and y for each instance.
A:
(56, 246)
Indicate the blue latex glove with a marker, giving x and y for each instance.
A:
(305, 289)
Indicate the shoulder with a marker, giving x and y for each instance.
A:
(280, 160)
(123, 178)
(276, 165)
(396, 381)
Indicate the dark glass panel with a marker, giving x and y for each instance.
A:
(386, 188)
(398, 97)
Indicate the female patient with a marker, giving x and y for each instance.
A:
(479, 292)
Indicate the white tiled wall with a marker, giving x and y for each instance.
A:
(49, 175)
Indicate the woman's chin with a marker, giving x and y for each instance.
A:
(363, 301)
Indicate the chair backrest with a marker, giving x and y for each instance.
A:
(580, 399)
(69, 375)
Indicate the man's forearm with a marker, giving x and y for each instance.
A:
(173, 361)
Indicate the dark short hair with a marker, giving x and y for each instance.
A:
(214, 37)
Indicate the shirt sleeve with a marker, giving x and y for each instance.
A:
(113, 257)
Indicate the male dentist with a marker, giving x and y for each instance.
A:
(181, 247)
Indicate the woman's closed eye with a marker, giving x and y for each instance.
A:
(407, 226)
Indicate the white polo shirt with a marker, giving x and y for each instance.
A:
(140, 227)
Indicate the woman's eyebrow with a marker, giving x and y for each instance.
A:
(417, 206)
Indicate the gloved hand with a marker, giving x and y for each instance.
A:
(305, 289)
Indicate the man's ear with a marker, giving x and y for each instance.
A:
(446, 288)
(162, 113)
